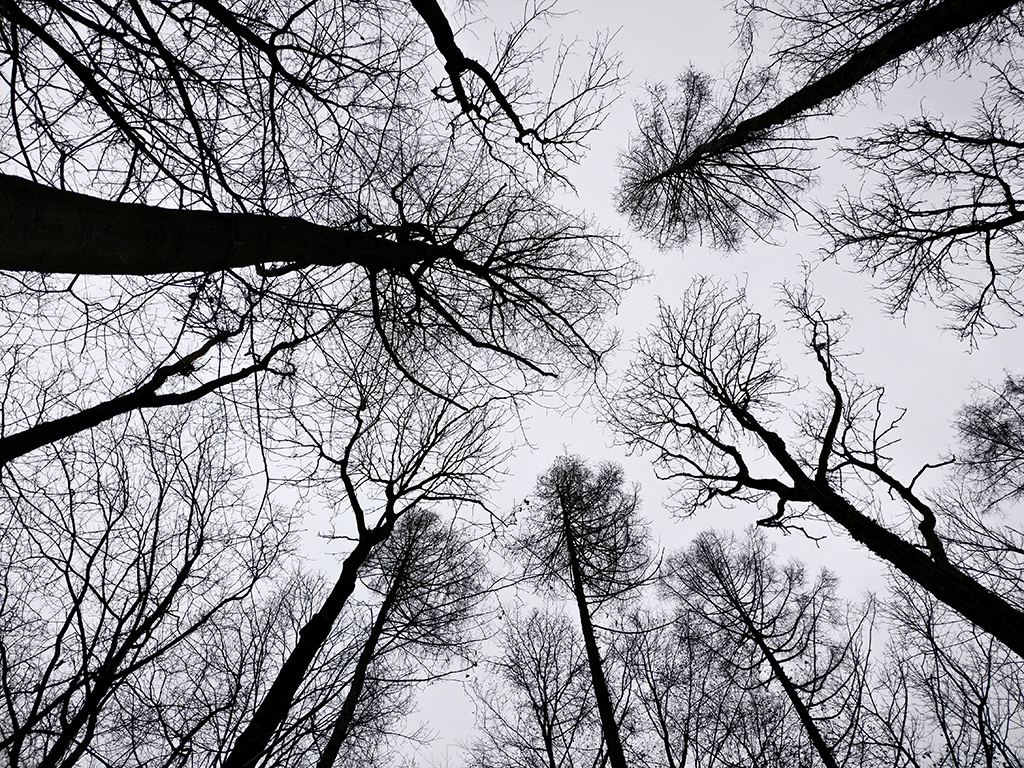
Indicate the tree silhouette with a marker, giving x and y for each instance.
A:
(537, 709)
(130, 556)
(431, 581)
(256, 190)
(584, 536)
(722, 167)
(401, 450)
(706, 393)
(770, 624)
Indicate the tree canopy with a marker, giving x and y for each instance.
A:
(281, 284)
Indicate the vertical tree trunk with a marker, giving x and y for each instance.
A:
(605, 708)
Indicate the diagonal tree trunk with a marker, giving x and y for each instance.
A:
(144, 396)
(252, 742)
(810, 726)
(343, 723)
(922, 28)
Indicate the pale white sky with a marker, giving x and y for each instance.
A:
(927, 370)
(923, 369)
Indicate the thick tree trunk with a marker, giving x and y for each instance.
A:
(252, 742)
(924, 27)
(54, 231)
(953, 587)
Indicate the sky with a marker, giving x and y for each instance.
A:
(925, 369)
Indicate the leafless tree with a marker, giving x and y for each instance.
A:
(991, 442)
(720, 166)
(699, 710)
(292, 218)
(538, 709)
(948, 695)
(708, 396)
(431, 581)
(583, 536)
(209, 195)
(693, 714)
(399, 450)
(124, 553)
(940, 219)
(768, 625)
(131, 631)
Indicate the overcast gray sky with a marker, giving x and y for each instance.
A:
(924, 369)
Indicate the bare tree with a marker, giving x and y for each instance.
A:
(991, 441)
(706, 395)
(769, 624)
(584, 536)
(537, 710)
(249, 187)
(431, 581)
(285, 209)
(948, 695)
(695, 715)
(941, 218)
(719, 167)
(400, 450)
(123, 554)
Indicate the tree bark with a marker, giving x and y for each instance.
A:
(55, 231)
(252, 742)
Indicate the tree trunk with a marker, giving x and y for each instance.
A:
(55, 231)
(344, 721)
(144, 396)
(930, 24)
(954, 588)
(811, 727)
(609, 726)
(252, 742)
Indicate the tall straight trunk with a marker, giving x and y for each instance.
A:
(55, 231)
(930, 24)
(343, 723)
(252, 742)
(605, 708)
